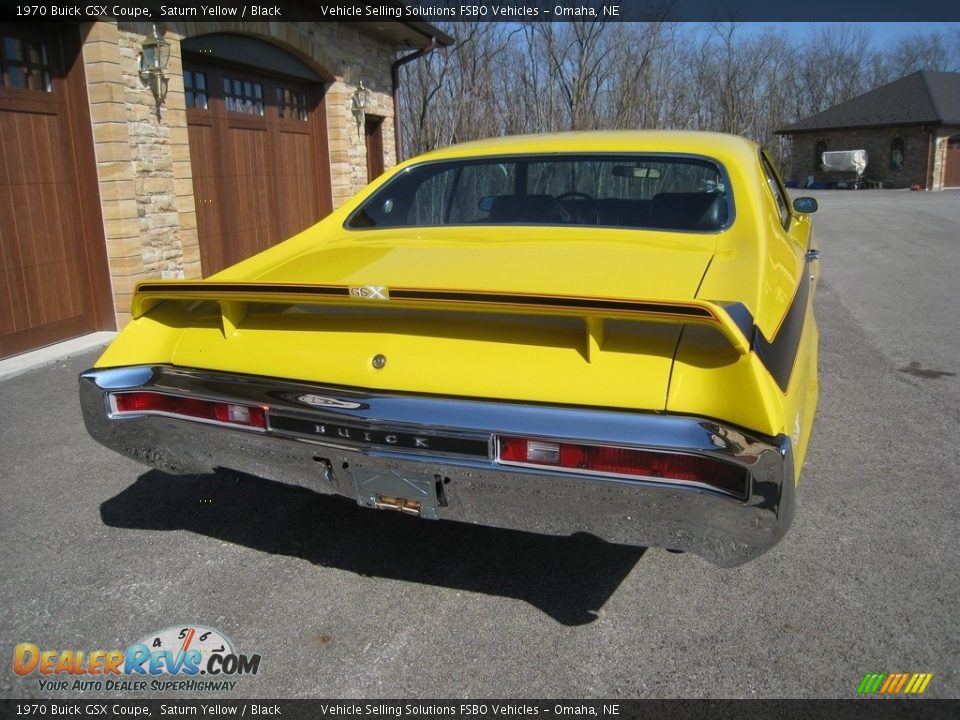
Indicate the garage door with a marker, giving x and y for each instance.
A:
(54, 282)
(259, 157)
(951, 170)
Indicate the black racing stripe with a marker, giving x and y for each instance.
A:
(780, 355)
(260, 289)
(741, 317)
(436, 295)
(549, 301)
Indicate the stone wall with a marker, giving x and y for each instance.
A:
(878, 142)
(151, 137)
(143, 158)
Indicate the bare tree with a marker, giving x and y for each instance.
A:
(645, 78)
(922, 52)
(515, 78)
(578, 56)
(831, 68)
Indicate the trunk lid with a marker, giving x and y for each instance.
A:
(558, 261)
(491, 326)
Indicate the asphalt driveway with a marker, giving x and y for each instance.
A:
(97, 552)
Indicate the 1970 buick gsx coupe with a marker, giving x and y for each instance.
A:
(609, 333)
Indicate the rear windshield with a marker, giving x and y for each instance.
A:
(625, 191)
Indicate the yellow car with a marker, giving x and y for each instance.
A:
(609, 333)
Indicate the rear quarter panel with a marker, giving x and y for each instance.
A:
(764, 266)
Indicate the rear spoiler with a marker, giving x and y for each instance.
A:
(733, 321)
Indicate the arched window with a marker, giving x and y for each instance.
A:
(896, 154)
(818, 152)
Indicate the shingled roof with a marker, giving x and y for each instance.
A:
(923, 97)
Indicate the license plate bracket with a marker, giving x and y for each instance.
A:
(390, 489)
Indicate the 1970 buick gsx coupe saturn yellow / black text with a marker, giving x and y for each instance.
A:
(609, 333)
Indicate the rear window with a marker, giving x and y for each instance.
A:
(628, 191)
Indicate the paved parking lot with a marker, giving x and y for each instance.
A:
(96, 551)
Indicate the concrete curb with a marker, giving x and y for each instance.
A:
(25, 362)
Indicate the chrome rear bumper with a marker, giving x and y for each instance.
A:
(440, 453)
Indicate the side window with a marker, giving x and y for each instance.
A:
(779, 194)
(429, 202)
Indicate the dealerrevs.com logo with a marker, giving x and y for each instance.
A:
(189, 657)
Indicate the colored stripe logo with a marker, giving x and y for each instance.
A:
(894, 683)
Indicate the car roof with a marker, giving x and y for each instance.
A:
(709, 144)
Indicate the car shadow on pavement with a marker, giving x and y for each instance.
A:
(568, 578)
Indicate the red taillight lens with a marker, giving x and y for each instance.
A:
(625, 461)
(142, 401)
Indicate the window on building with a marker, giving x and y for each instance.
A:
(25, 64)
(195, 89)
(292, 103)
(896, 154)
(818, 152)
(243, 96)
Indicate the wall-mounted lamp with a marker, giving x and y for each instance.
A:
(359, 104)
(153, 61)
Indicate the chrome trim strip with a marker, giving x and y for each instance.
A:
(642, 511)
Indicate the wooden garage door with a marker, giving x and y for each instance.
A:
(54, 282)
(951, 170)
(259, 157)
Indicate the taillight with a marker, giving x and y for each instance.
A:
(605, 459)
(142, 402)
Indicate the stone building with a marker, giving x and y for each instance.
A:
(264, 128)
(910, 129)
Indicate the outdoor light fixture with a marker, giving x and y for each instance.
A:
(359, 104)
(153, 61)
